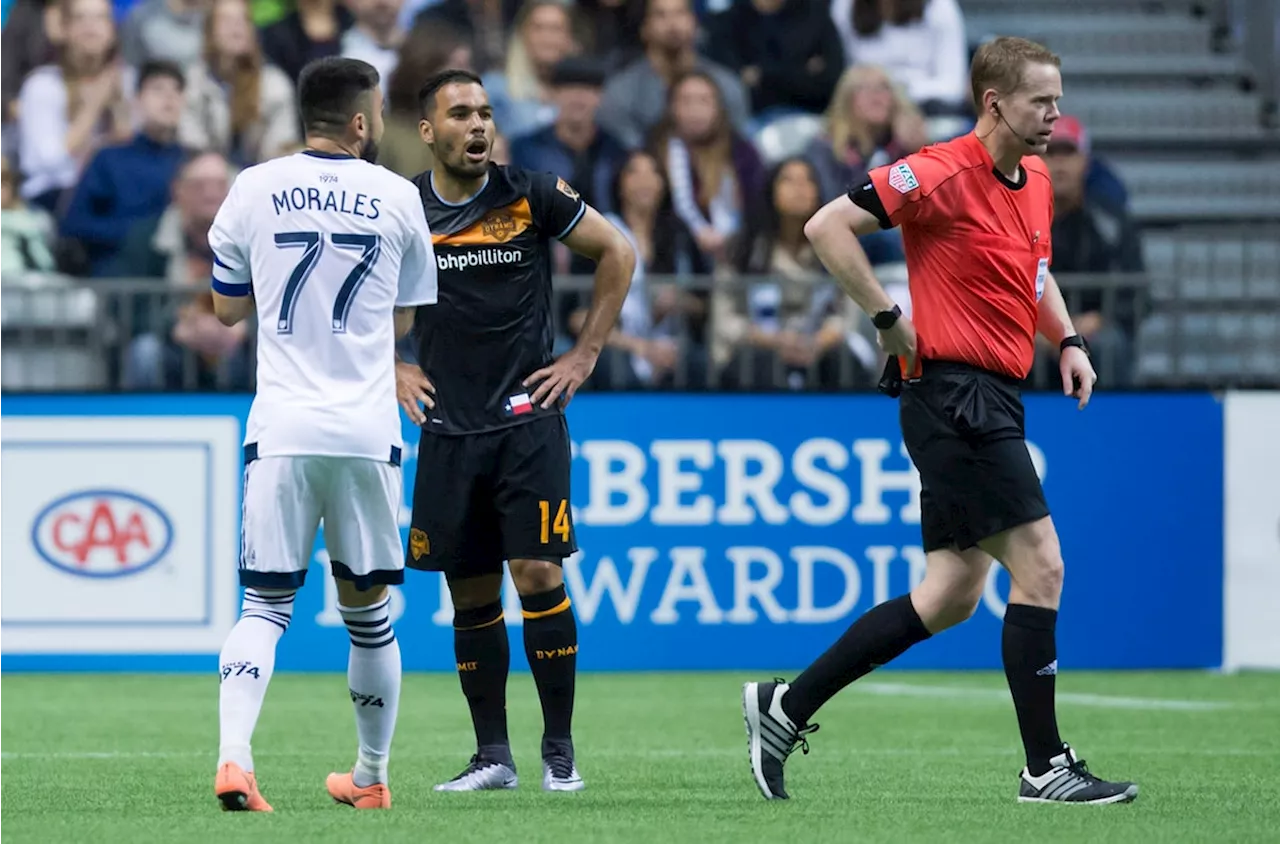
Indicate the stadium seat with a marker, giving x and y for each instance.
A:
(786, 136)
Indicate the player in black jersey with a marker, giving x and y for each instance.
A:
(493, 462)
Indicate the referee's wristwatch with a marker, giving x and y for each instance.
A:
(884, 320)
(1076, 340)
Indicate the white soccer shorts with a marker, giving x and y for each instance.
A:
(287, 498)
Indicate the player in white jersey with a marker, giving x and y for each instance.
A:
(334, 254)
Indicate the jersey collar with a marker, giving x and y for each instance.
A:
(467, 201)
(991, 164)
(329, 156)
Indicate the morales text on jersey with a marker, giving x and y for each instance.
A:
(314, 199)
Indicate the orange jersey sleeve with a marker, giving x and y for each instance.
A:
(908, 188)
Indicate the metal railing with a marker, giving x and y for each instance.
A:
(62, 334)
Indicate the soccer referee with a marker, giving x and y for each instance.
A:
(975, 214)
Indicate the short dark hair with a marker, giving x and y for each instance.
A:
(578, 71)
(160, 69)
(191, 156)
(330, 92)
(427, 93)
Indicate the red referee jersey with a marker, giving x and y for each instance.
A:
(977, 249)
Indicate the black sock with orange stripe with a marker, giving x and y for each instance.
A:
(484, 659)
(551, 642)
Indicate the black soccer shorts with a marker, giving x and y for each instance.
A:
(480, 499)
(964, 429)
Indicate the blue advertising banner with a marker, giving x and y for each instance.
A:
(717, 532)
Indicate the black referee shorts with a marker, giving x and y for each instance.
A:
(964, 429)
(480, 499)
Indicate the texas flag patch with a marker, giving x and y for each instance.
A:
(902, 179)
(518, 404)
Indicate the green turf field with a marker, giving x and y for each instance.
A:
(900, 757)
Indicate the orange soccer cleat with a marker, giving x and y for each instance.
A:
(237, 790)
(343, 789)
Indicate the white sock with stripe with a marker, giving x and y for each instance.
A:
(373, 675)
(245, 665)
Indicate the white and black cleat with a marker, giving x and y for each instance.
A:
(1069, 781)
(560, 774)
(771, 735)
(482, 775)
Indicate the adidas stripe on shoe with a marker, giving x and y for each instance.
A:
(771, 736)
(1069, 781)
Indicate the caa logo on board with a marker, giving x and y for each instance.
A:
(102, 533)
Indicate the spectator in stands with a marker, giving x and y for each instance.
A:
(428, 49)
(25, 45)
(68, 109)
(484, 23)
(921, 43)
(870, 122)
(790, 331)
(657, 342)
(376, 36)
(715, 173)
(1093, 235)
(635, 98)
(574, 147)
(236, 102)
(167, 30)
(198, 352)
(125, 183)
(785, 51)
(26, 233)
(611, 29)
(313, 30)
(521, 94)
(175, 247)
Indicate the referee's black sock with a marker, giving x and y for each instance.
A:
(484, 659)
(551, 643)
(1031, 666)
(880, 635)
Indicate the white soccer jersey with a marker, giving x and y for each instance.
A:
(327, 245)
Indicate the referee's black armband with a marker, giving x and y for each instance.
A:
(865, 197)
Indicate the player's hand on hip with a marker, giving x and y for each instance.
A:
(414, 389)
(1078, 376)
(900, 340)
(563, 377)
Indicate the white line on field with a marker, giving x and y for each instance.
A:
(1002, 696)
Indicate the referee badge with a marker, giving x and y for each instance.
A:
(902, 179)
(418, 543)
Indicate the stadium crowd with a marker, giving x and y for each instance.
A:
(708, 131)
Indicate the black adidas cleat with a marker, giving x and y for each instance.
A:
(771, 735)
(1069, 781)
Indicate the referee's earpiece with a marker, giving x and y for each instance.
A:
(995, 106)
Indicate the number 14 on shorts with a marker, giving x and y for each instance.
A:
(560, 526)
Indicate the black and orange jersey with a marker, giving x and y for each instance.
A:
(978, 250)
(492, 327)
